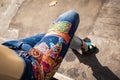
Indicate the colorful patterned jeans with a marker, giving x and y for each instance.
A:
(53, 44)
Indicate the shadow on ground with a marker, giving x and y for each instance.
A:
(99, 72)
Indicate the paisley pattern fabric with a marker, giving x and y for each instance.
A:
(52, 47)
(51, 58)
(63, 27)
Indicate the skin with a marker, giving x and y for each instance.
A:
(11, 65)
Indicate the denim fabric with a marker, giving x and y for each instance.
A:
(24, 44)
(70, 16)
(27, 43)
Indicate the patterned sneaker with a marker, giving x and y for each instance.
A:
(91, 47)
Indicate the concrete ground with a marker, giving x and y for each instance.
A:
(99, 20)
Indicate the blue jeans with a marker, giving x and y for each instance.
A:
(25, 44)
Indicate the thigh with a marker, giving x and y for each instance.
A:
(56, 42)
(65, 27)
(29, 40)
(6, 77)
(11, 65)
(33, 39)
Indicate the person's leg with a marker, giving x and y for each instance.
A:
(69, 18)
(76, 43)
(56, 42)
(72, 17)
(33, 39)
(24, 44)
(84, 44)
(11, 65)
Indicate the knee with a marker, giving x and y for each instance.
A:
(72, 13)
(71, 16)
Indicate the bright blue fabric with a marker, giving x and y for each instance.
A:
(27, 43)
(24, 44)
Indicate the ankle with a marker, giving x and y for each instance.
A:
(84, 46)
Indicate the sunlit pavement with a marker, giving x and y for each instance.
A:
(99, 20)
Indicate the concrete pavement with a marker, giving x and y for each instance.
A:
(100, 21)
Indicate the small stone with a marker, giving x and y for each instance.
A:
(53, 3)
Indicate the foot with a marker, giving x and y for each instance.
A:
(91, 47)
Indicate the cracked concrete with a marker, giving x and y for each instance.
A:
(8, 9)
(100, 21)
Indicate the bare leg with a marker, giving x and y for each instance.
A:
(11, 66)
